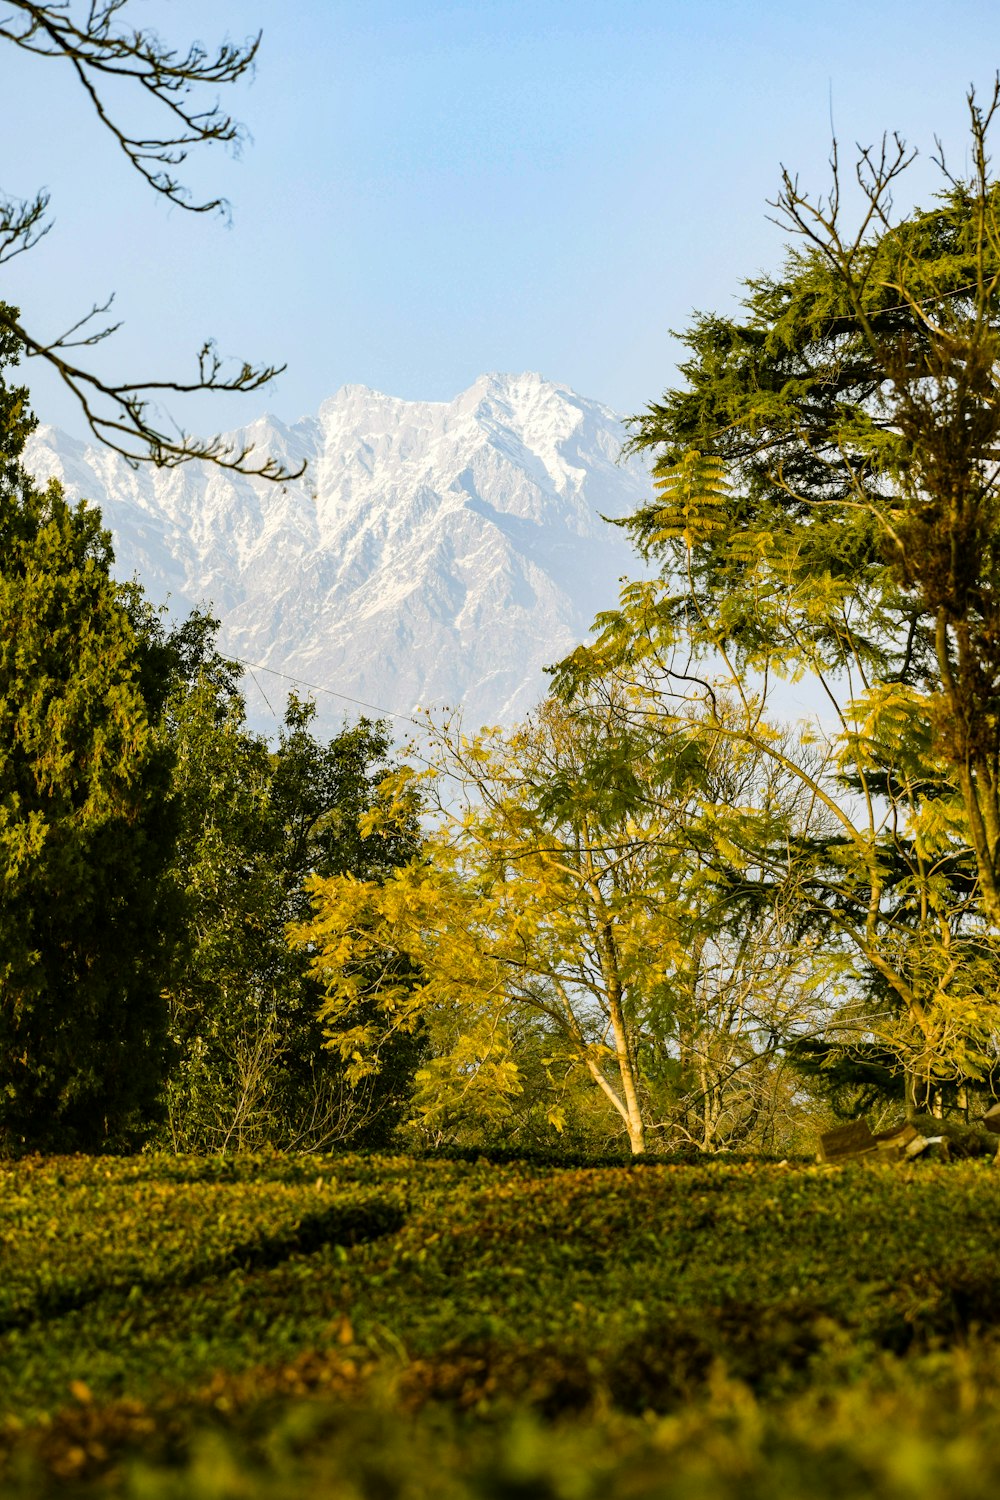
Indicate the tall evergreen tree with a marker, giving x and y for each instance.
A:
(85, 824)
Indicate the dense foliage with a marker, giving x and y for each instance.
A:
(248, 1063)
(152, 851)
(578, 968)
(827, 511)
(85, 827)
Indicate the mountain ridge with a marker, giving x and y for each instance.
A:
(433, 552)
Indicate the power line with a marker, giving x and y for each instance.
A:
(393, 713)
(253, 678)
(314, 687)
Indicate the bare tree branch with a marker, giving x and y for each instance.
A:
(97, 48)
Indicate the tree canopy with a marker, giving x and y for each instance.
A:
(562, 934)
(828, 507)
(247, 1064)
(86, 929)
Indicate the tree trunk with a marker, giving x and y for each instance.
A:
(626, 1070)
(632, 1113)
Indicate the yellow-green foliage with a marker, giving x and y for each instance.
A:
(359, 1326)
(562, 929)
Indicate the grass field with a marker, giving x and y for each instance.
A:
(388, 1327)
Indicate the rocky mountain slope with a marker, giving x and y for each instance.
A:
(434, 553)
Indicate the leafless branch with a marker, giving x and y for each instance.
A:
(100, 47)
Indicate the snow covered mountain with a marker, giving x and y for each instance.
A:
(434, 553)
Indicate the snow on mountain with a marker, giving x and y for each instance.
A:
(433, 553)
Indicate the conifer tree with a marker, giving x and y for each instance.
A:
(85, 825)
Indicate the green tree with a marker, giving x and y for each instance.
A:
(85, 826)
(855, 410)
(248, 1065)
(828, 507)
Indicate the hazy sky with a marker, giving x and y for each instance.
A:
(434, 190)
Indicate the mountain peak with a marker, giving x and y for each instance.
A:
(434, 552)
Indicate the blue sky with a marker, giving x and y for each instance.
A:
(434, 190)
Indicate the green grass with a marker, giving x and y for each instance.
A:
(363, 1326)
